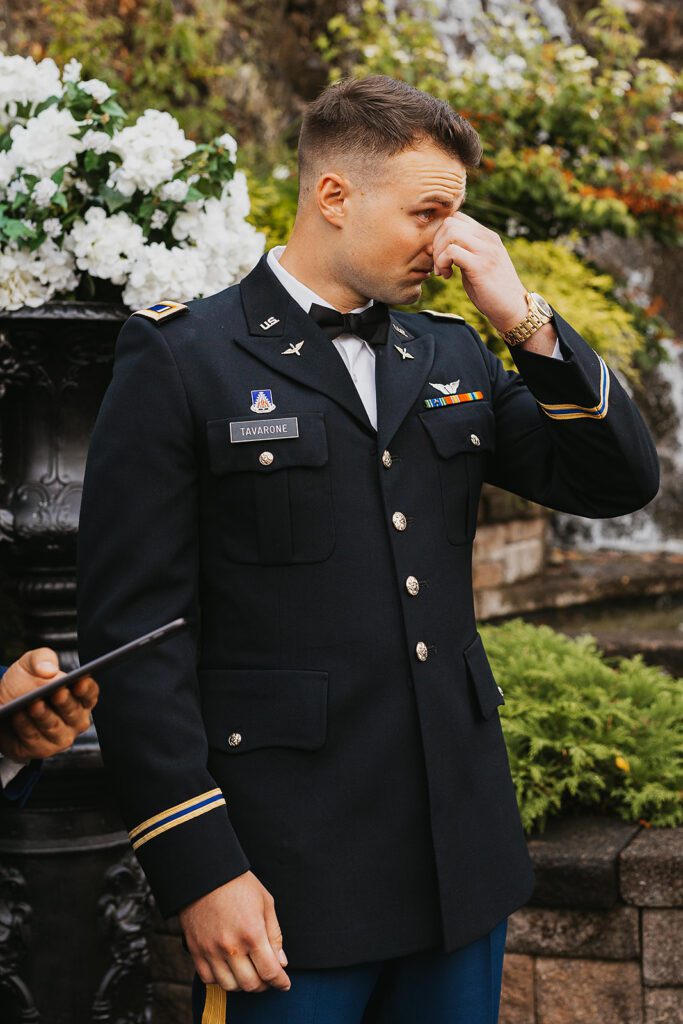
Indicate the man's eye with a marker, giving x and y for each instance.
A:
(425, 213)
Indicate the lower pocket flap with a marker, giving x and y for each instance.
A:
(245, 709)
(489, 694)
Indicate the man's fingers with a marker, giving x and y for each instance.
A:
(24, 729)
(453, 253)
(222, 974)
(269, 968)
(47, 721)
(274, 931)
(245, 973)
(70, 709)
(87, 691)
(42, 661)
(203, 969)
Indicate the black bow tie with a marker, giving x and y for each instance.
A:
(372, 324)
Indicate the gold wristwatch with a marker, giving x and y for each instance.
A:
(539, 313)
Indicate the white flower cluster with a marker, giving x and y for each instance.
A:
(216, 248)
(46, 143)
(482, 66)
(576, 60)
(152, 152)
(211, 244)
(23, 82)
(28, 278)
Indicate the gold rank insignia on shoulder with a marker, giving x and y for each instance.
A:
(440, 315)
(163, 310)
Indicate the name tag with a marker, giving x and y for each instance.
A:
(261, 430)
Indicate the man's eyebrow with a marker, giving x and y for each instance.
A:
(443, 200)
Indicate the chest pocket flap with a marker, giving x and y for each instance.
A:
(308, 449)
(463, 436)
(454, 428)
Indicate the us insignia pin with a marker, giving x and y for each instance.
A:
(270, 322)
(405, 354)
(397, 327)
(262, 401)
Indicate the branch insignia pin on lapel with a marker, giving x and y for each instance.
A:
(405, 354)
(294, 349)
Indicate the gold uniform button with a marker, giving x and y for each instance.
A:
(399, 520)
(386, 459)
(474, 439)
(412, 586)
(266, 458)
(421, 651)
(234, 739)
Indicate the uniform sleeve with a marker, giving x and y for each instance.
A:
(567, 434)
(137, 569)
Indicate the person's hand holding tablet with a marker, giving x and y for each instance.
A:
(46, 726)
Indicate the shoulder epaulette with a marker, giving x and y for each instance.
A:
(163, 310)
(439, 314)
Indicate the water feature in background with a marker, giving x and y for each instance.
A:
(644, 267)
(461, 26)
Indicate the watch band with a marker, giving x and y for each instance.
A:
(534, 319)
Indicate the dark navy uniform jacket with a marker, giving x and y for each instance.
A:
(324, 724)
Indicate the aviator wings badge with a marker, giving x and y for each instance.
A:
(446, 389)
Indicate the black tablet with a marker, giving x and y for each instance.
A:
(129, 650)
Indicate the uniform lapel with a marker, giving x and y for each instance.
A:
(277, 323)
(401, 368)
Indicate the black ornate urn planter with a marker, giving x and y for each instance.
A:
(74, 906)
(55, 364)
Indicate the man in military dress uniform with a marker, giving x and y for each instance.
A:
(295, 467)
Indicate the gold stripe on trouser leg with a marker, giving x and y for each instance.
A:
(214, 1006)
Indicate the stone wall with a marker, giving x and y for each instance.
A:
(600, 942)
(510, 546)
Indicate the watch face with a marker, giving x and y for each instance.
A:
(542, 304)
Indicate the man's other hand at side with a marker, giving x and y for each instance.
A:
(234, 937)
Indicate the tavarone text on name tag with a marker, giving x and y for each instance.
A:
(256, 430)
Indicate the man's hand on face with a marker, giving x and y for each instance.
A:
(43, 729)
(488, 274)
(234, 937)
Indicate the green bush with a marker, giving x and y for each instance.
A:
(585, 734)
(571, 139)
(153, 53)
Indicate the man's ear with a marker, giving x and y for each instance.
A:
(332, 192)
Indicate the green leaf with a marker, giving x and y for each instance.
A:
(113, 200)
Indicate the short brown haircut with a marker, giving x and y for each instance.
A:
(367, 120)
